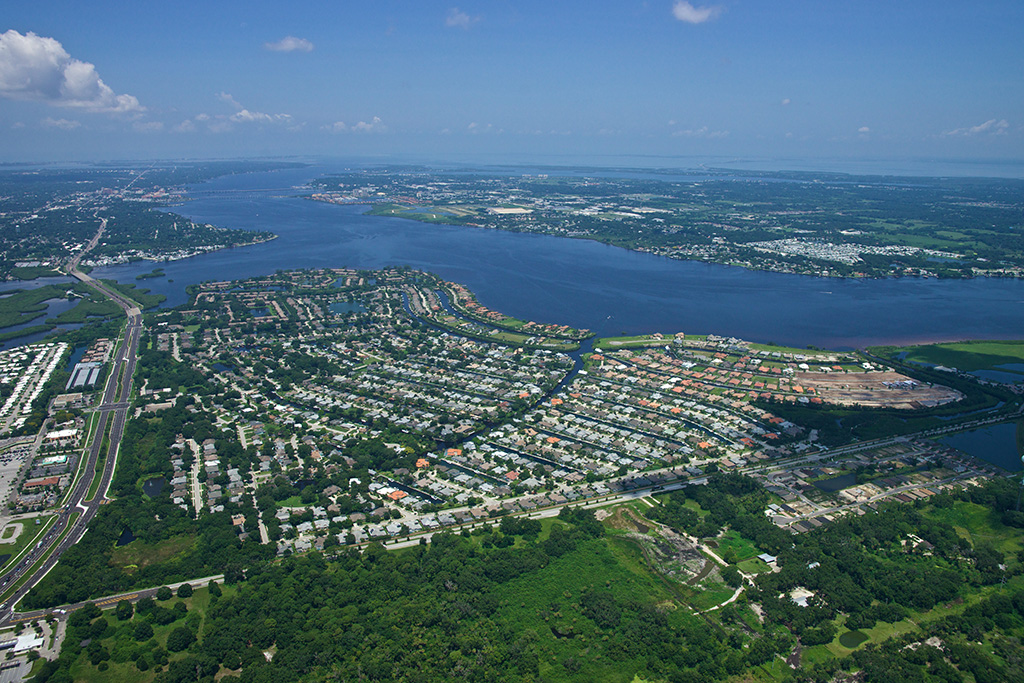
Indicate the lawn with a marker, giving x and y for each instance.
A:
(29, 534)
(290, 502)
(752, 566)
(612, 343)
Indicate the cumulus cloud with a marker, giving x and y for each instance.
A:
(786, 102)
(458, 19)
(36, 68)
(863, 129)
(62, 124)
(222, 123)
(990, 127)
(684, 11)
(374, 126)
(289, 44)
(226, 97)
(336, 127)
(702, 132)
(246, 116)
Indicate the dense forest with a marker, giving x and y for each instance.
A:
(563, 600)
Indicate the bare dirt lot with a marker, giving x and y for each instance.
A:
(876, 389)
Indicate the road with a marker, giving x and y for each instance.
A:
(133, 596)
(113, 412)
(197, 466)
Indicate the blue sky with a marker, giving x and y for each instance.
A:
(745, 78)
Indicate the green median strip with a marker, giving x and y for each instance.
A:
(100, 460)
(83, 457)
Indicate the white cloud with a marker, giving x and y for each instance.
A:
(863, 129)
(290, 44)
(684, 11)
(225, 97)
(702, 132)
(786, 102)
(36, 68)
(458, 19)
(246, 116)
(62, 124)
(17, 125)
(990, 127)
(186, 126)
(374, 126)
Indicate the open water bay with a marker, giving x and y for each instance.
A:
(582, 283)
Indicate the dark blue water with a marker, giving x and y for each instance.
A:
(33, 284)
(151, 487)
(579, 282)
(76, 356)
(125, 538)
(999, 376)
(1008, 373)
(836, 483)
(54, 307)
(996, 444)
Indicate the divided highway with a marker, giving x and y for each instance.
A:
(80, 507)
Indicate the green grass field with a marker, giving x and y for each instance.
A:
(969, 356)
(138, 553)
(978, 524)
(29, 533)
(743, 548)
(611, 343)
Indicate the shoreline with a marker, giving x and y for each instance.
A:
(809, 272)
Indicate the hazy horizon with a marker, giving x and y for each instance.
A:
(671, 79)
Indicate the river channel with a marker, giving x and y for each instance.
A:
(581, 283)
